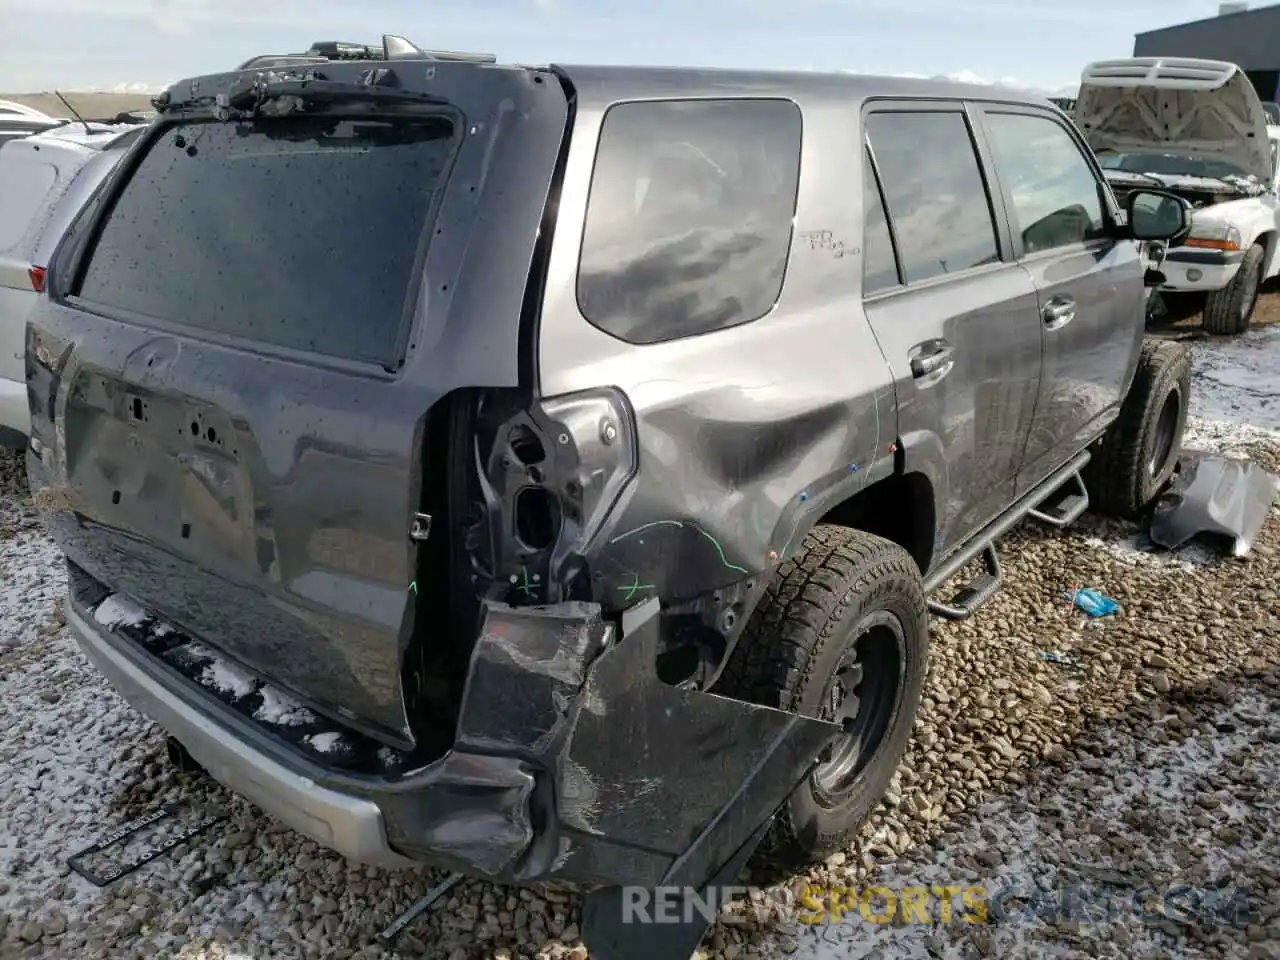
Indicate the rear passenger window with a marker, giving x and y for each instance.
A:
(1053, 189)
(25, 185)
(688, 224)
(879, 267)
(934, 191)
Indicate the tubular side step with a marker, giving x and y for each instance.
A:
(977, 593)
(1064, 505)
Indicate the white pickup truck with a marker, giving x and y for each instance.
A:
(1198, 129)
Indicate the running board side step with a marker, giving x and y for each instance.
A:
(978, 592)
(1063, 506)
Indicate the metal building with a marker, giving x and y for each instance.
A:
(1238, 34)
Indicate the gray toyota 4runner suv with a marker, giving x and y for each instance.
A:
(542, 472)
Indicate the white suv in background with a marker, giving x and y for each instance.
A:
(1198, 129)
(18, 120)
(45, 178)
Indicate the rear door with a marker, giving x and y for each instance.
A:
(1090, 286)
(244, 338)
(955, 316)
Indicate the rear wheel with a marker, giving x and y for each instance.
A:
(842, 634)
(1229, 311)
(1138, 454)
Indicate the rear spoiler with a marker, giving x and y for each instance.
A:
(392, 48)
(1180, 73)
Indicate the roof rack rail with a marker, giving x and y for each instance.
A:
(392, 48)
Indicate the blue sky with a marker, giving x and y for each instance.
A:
(113, 44)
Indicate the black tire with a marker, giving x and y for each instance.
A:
(845, 591)
(1137, 455)
(1228, 311)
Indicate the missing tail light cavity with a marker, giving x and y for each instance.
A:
(537, 518)
(525, 446)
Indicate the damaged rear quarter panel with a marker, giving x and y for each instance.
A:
(745, 436)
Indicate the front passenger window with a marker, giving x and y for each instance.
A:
(1054, 192)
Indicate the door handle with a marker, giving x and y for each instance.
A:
(1058, 312)
(935, 357)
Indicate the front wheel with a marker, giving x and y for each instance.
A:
(842, 634)
(1138, 454)
(1229, 311)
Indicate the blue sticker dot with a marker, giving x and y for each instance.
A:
(804, 497)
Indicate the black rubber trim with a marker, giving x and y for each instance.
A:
(13, 439)
(1215, 258)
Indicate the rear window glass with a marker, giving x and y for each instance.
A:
(300, 232)
(688, 224)
(25, 188)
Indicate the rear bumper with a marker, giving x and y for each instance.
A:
(596, 774)
(349, 824)
(15, 419)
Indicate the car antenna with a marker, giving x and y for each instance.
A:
(67, 104)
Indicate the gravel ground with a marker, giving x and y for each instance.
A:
(1144, 755)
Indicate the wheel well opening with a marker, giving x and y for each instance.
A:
(899, 508)
(1268, 241)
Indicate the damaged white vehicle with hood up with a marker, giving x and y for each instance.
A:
(1196, 128)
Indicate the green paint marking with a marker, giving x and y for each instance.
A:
(414, 586)
(635, 586)
(526, 587)
(647, 526)
(680, 523)
(720, 550)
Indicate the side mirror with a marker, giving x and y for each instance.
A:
(1157, 215)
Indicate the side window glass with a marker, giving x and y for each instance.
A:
(23, 192)
(1056, 202)
(879, 267)
(689, 217)
(934, 191)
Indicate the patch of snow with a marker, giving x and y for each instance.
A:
(1234, 380)
(1224, 437)
(282, 710)
(33, 580)
(226, 677)
(387, 756)
(1138, 550)
(119, 611)
(325, 742)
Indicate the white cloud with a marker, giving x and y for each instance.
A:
(128, 88)
(970, 76)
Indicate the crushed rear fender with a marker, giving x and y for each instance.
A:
(1220, 496)
(635, 781)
